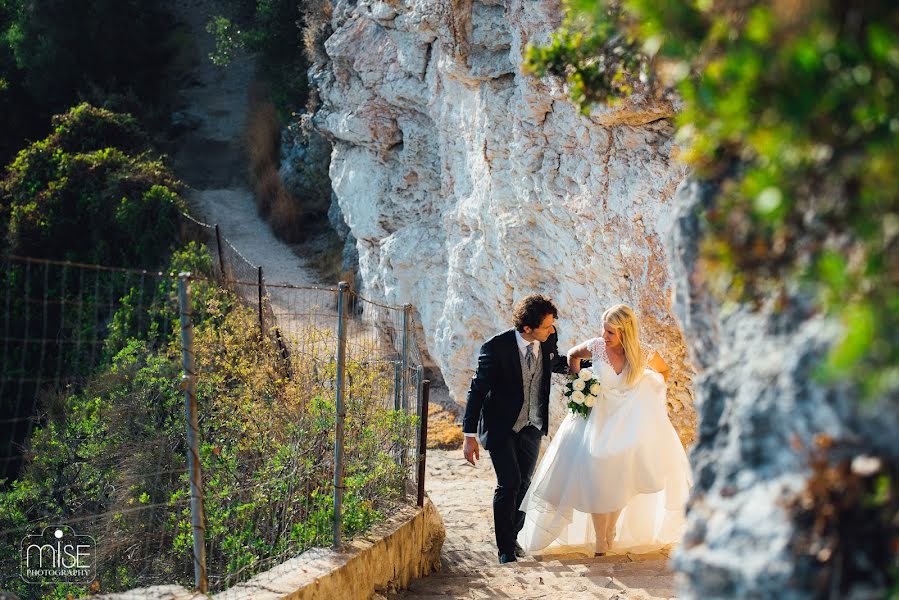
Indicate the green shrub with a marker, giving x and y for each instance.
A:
(14, 99)
(90, 192)
(85, 128)
(64, 48)
(116, 445)
(54, 53)
(74, 196)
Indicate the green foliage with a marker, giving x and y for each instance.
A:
(90, 192)
(84, 128)
(147, 314)
(111, 453)
(54, 53)
(228, 40)
(277, 37)
(13, 96)
(599, 63)
(63, 47)
(274, 32)
(792, 109)
(91, 453)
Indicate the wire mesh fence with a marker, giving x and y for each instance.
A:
(91, 444)
(307, 421)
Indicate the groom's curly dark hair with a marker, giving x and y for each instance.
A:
(531, 310)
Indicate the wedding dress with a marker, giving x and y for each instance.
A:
(625, 456)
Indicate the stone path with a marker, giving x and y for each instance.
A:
(211, 160)
(462, 494)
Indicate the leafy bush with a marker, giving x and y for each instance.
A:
(791, 109)
(117, 448)
(273, 30)
(14, 98)
(55, 53)
(63, 48)
(90, 192)
(84, 128)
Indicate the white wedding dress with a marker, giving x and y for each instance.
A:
(625, 456)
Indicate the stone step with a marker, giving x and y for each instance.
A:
(469, 564)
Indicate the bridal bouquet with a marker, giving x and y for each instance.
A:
(581, 390)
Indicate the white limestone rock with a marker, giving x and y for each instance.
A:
(468, 184)
(760, 408)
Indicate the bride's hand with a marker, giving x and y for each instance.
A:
(576, 355)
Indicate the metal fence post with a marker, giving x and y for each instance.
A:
(423, 439)
(341, 410)
(261, 321)
(397, 386)
(407, 322)
(189, 385)
(218, 245)
(419, 377)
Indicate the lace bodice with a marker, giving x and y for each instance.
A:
(597, 347)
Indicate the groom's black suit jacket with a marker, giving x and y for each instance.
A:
(497, 392)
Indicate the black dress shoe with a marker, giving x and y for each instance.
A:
(519, 551)
(506, 558)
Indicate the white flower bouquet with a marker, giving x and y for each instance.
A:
(581, 390)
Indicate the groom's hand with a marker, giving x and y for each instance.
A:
(574, 365)
(471, 450)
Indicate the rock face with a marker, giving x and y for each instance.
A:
(468, 184)
(759, 409)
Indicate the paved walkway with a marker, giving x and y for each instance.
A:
(470, 570)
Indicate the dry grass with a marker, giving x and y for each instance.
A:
(317, 29)
(263, 140)
(263, 131)
(287, 215)
(267, 187)
(443, 431)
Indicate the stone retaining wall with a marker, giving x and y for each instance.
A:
(405, 546)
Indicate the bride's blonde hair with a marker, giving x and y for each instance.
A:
(623, 319)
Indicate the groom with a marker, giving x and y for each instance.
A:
(508, 409)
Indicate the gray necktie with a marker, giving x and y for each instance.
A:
(529, 356)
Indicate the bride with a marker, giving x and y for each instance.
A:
(617, 480)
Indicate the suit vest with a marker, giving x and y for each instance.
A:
(531, 380)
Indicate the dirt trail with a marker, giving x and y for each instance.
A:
(210, 157)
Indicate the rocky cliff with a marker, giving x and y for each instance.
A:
(761, 408)
(468, 184)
